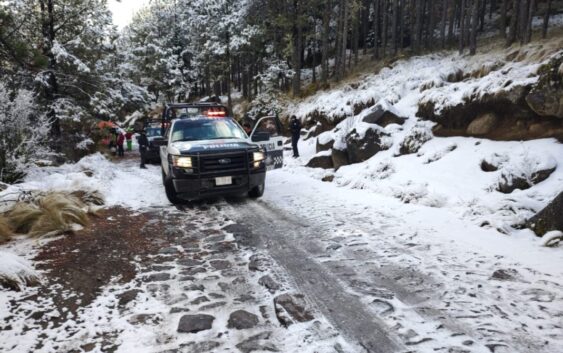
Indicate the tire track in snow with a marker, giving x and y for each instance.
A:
(282, 238)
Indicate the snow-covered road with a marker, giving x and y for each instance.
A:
(314, 267)
(436, 280)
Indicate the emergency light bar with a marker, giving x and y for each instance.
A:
(216, 114)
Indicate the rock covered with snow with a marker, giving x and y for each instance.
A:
(362, 144)
(522, 171)
(383, 114)
(419, 135)
(546, 98)
(548, 219)
(16, 272)
(321, 160)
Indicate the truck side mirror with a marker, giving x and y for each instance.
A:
(260, 137)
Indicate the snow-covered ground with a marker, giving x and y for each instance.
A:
(363, 228)
(445, 172)
(407, 82)
(424, 240)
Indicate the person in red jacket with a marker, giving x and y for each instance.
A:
(129, 138)
(120, 141)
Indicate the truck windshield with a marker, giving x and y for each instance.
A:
(206, 129)
(153, 131)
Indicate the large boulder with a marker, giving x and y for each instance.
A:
(548, 219)
(413, 141)
(546, 98)
(510, 183)
(360, 147)
(514, 112)
(483, 124)
(339, 158)
(321, 160)
(324, 142)
(508, 104)
(383, 114)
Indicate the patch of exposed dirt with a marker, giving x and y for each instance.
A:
(83, 262)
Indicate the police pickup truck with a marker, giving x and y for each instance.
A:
(205, 153)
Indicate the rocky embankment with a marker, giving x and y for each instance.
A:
(519, 112)
(513, 94)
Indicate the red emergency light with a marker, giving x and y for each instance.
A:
(216, 113)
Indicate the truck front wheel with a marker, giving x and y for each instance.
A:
(257, 191)
(170, 191)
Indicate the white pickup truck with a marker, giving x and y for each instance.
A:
(205, 153)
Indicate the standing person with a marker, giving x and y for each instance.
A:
(295, 127)
(129, 137)
(247, 128)
(120, 141)
(143, 145)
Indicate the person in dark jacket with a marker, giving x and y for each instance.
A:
(295, 127)
(143, 145)
(120, 142)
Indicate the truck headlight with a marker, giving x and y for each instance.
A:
(182, 162)
(258, 156)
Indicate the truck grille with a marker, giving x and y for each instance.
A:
(223, 163)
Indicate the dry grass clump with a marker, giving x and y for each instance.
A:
(5, 230)
(49, 214)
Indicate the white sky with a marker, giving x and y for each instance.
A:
(124, 10)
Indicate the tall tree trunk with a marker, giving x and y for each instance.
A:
(229, 73)
(385, 12)
(418, 29)
(51, 89)
(452, 17)
(376, 29)
(443, 23)
(468, 4)
(503, 9)
(523, 20)
(296, 57)
(474, 21)
(546, 19)
(394, 25)
(356, 23)
(431, 24)
(531, 9)
(463, 28)
(344, 40)
(513, 28)
(482, 13)
(324, 42)
(492, 8)
(402, 18)
(338, 39)
(365, 24)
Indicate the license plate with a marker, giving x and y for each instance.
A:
(223, 181)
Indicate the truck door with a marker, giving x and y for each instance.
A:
(274, 147)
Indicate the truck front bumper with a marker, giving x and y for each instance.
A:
(197, 188)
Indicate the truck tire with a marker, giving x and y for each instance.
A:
(257, 191)
(170, 191)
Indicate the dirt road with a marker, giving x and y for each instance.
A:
(289, 273)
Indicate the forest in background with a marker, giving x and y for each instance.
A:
(63, 64)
